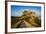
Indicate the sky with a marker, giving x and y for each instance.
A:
(17, 10)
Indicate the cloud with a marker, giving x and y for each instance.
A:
(20, 12)
(38, 13)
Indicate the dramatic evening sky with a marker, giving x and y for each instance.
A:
(17, 10)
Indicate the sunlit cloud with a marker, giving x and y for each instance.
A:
(38, 13)
(18, 10)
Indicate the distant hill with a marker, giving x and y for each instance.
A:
(28, 17)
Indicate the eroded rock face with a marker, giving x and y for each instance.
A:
(28, 19)
(29, 14)
(32, 18)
